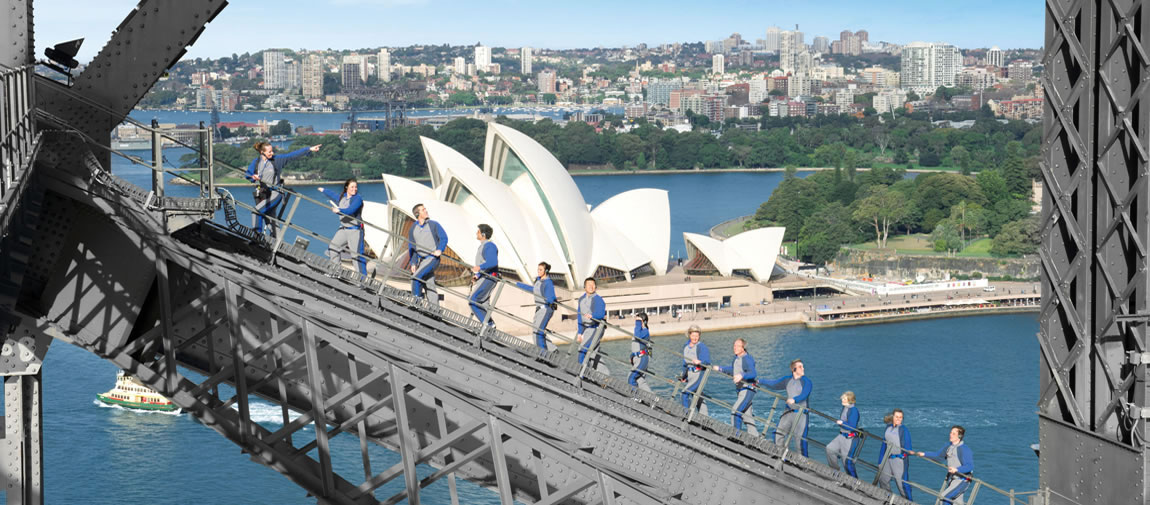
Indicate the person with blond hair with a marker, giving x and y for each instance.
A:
(267, 172)
(696, 359)
(742, 369)
(798, 388)
(842, 448)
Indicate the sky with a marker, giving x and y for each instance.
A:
(253, 25)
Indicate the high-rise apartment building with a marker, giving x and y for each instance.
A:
(995, 57)
(790, 45)
(546, 80)
(482, 58)
(821, 44)
(798, 85)
(659, 92)
(525, 61)
(274, 69)
(293, 75)
(383, 65)
(349, 75)
(718, 64)
(460, 66)
(757, 92)
(311, 78)
(772, 40)
(928, 65)
(863, 35)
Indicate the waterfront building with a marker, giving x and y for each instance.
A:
(349, 76)
(546, 81)
(311, 78)
(274, 72)
(293, 75)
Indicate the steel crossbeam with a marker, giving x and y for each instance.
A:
(1094, 252)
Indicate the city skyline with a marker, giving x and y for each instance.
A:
(252, 26)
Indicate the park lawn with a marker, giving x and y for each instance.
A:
(918, 167)
(919, 243)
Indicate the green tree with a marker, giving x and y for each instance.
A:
(882, 208)
(993, 186)
(1016, 238)
(824, 232)
(945, 237)
(641, 161)
(789, 205)
(961, 157)
(549, 98)
(281, 128)
(935, 194)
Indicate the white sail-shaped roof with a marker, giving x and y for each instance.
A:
(752, 251)
(535, 209)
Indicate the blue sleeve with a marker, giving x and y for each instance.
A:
(548, 291)
(882, 451)
(294, 154)
(641, 333)
(330, 195)
(749, 372)
(440, 238)
(252, 169)
(966, 458)
(598, 308)
(490, 257)
(727, 369)
(936, 455)
(852, 421)
(807, 387)
(776, 384)
(354, 205)
(904, 438)
(524, 286)
(704, 354)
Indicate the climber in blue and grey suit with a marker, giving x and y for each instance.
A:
(425, 243)
(544, 290)
(267, 172)
(842, 448)
(798, 388)
(894, 463)
(591, 312)
(349, 238)
(959, 465)
(485, 272)
(743, 371)
(696, 358)
(640, 353)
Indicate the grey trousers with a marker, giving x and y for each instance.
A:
(641, 380)
(748, 415)
(344, 245)
(838, 451)
(891, 469)
(791, 421)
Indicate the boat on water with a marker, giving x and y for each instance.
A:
(130, 393)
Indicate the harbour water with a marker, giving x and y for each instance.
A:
(980, 372)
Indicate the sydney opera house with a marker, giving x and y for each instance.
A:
(538, 214)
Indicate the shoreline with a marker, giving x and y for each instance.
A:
(583, 173)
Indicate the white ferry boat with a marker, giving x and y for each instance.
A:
(133, 394)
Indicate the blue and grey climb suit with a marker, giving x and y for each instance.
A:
(348, 240)
(742, 412)
(894, 465)
(792, 422)
(270, 172)
(590, 314)
(842, 448)
(693, 374)
(487, 259)
(640, 356)
(423, 240)
(544, 291)
(961, 458)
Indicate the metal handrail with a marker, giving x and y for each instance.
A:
(697, 397)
